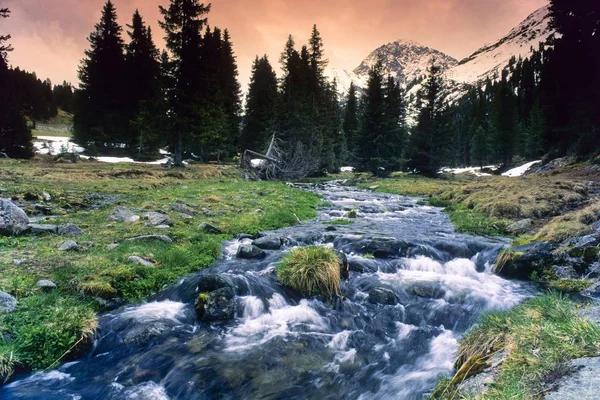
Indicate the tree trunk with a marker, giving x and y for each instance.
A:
(178, 158)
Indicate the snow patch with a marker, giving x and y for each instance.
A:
(519, 171)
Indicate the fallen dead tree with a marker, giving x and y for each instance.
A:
(281, 161)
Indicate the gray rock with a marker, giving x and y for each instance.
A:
(70, 230)
(42, 209)
(42, 229)
(112, 246)
(46, 197)
(207, 212)
(16, 262)
(162, 227)
(182, 207)
(13, 220)
(564, 271)
(268, 243)
(382, 296)
(185, 216)
(250, 251)
(432, 290)
(123, 214)
(69, 245)
(7, 303)
(158, 238)
(521, 226)
(219, 305)
(46, 284)
(140, 260)
(210, 283)
(583, 383)
(156, 218)
(593, 291)
(208, 228)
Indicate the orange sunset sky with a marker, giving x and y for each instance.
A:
(49, 36)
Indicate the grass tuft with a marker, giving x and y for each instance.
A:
(312, 270)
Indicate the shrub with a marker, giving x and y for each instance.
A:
(311, 270)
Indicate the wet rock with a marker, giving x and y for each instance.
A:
(250, 251)
(216, 305)
(242, 236)
(156, 218)
(378, 247)
(344, 265)
(331, 228)
(306, 238)
(69, 245)
(564, 271)
(525, 260)
(382, 296)
(582, 383)
(8, 303)
(39, 229)
(13, 220)
(140, 260)
(268, 243)
(46, 284)
(155, 238)
(123, 214)
(431, 290)
(210, 229)
(521, 226)
(362, 265)
(70, 230)
(210, 283)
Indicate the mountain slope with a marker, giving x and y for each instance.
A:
(491, 59)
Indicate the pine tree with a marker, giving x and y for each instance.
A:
(15, 135)
(63, 96)
(371, 130)
(100, 116)
(427, 139)
(394, 124)
(261, 106)
(183, 24)
(479, 147)
(143, 83)
(351, 120)
(231, 90)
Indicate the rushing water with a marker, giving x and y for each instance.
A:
(283, 347)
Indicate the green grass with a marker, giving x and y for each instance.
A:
(537, 337)
(311, 270)
(339, 221)
(570, 285)
(473, 222)
(85, 194)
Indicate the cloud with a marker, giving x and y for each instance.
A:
(49, 36)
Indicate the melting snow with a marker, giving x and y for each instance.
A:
(519, 171)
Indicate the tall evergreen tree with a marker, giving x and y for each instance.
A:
(143, 77)
(370, 143)
(479, 147)
(425, 152)
(351, 120)
(63, 96)
(15, 135)
(100, 116)
(183, 23)
(261, 106)
(232, 105)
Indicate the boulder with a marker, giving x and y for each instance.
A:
(217, 305)
(140, 260)
(181, 207)
(521, 226)
(268, 243)
(42, 228)
(70, 230)
(7, 303)
(524, 260)
(382, 296)
(382, 247)
(430, 290)
(564, 271)
(344, 266)
(210, 283)
(210, 229)
(250, 251)
(46, 284)
(156, 238)
(69, 245)
(156, 218)
(123, 214)
(13, 220)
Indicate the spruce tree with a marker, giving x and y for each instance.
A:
(15, 135)
(183, 23)
(426, 147)
(143, 83)
(231, 92)
(371, 134)
(351, 120)
(101, 117)
(63, 96)
(479, 147)
(261, 106)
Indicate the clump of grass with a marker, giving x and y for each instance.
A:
(569, 225)
(8, 361)
(537, 336)
(473, 222)
(438, 202)
(46, 329)
(98, 288)
(505, 259)
(523, 240)
(352, 214)
(339, 221)
(312, 270)
(570, 285)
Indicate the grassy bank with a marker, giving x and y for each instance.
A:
(51, 327)
(534, 341)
